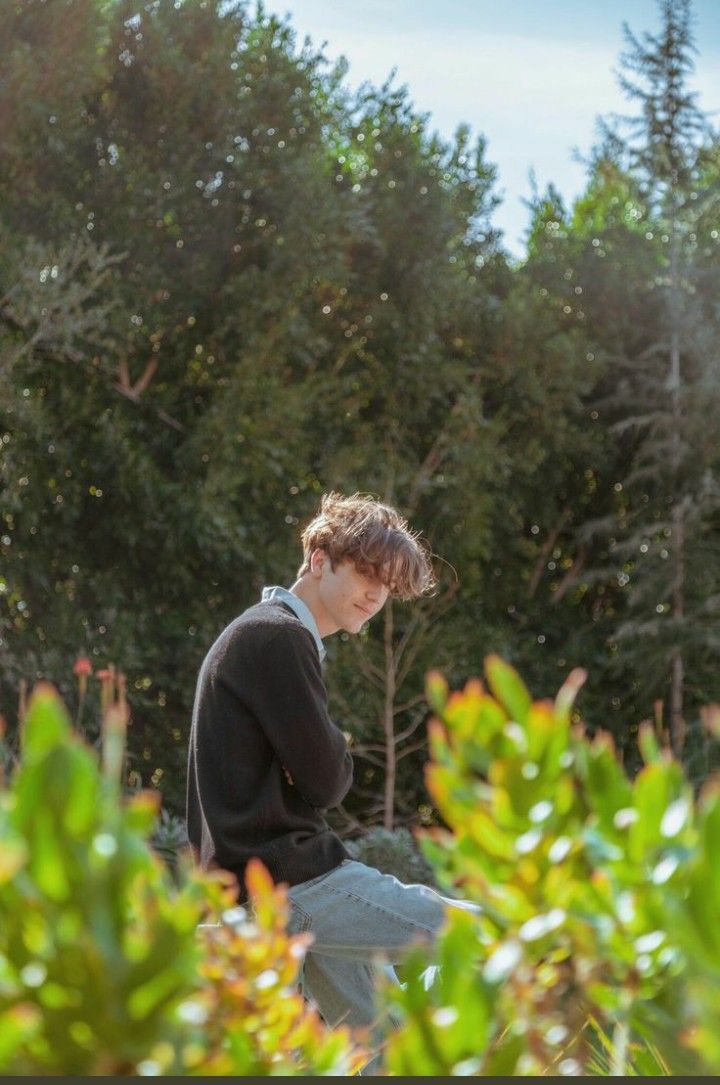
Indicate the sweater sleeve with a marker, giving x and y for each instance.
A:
(289, 700)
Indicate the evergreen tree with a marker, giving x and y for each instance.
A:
(669, 395)
(638, 257)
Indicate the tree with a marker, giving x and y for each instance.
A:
(409, 328)
(637, 256)
(670, 391)
(167, 161)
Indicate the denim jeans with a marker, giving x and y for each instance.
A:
(361, 920)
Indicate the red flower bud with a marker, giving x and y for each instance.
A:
(82, 667)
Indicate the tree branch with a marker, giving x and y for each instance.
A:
(547, 550)
(411, 729)
(411, 749)
(571, 577)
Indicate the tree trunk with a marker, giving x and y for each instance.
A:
(389, 719)
(677, 674)
(677, 720)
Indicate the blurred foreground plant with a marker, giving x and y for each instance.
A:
(103, 967)
(597, 950)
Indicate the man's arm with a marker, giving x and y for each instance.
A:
(289, 700)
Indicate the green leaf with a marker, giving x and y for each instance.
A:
(436, 691)
(491, 839)
(46, 723)
(18, 1025)
(47, 861)
(568, 692)
(503, 1060)
(656, 786)
(508, 688)
(648, 743)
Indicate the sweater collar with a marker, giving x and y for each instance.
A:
(301, 609)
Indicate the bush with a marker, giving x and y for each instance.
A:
(170, 840)
(596, 951)
(392, 852)
(104, 969)
(598, 947)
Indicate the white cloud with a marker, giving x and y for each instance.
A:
(533, 98)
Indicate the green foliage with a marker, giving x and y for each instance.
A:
(95, 949)
(190, 358)
(170, 839)
(596, 946)
(103, 967)
(633, 266)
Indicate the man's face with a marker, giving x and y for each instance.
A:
(349, 599)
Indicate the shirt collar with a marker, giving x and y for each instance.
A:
(302, 610)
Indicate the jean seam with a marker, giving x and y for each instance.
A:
(305, 917)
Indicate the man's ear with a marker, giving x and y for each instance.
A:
(317, 561)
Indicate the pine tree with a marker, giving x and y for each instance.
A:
(666, 392)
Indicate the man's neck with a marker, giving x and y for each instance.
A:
(305, 589)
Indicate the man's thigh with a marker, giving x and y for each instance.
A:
(355, 911)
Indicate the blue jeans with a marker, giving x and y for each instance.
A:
(361, 920)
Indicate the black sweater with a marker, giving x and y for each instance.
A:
(261, 705)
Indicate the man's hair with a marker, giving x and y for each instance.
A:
(376, 538)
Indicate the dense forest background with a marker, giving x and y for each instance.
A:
(228, 284)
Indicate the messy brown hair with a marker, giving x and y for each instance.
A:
(376, 538)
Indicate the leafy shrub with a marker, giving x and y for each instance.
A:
(392, 852)
(170, 839)
(598, 947)
(596, 951)
(104, 968)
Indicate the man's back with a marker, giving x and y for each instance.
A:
(261, 713)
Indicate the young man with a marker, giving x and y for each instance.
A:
(266, 761)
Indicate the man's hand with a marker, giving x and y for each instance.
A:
(288, 777)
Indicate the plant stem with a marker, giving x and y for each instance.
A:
(620, 1045)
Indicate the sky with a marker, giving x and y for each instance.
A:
(532, 76)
